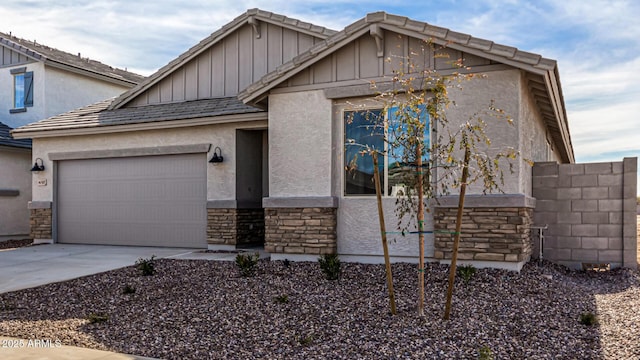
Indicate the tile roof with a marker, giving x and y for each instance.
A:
(97, 115)
(47, 54)
(206, 43)
(7, 140)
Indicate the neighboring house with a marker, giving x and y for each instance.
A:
(15, 185)
(241, 139)
(38, 82)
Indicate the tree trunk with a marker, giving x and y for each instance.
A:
(383, 232)
(420, 230)
(456, 241)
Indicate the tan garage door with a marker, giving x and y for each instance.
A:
(142, 201)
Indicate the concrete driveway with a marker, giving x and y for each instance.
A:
(33, 266)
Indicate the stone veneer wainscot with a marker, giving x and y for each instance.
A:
(305, 226)
(231, 226)
(494, 228)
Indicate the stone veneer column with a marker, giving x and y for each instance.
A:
(41, 221)
(494, 228)
(230, 224)
(303, 226)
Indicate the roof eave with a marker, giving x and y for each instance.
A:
(149, 125)
(89, 73)
(555, 90)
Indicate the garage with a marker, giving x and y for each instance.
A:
(139, 201)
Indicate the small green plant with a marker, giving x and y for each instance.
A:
(466, 272)
(485, 353)
(246, 263)
(330, 266)
(128, 289)
(588, 318)
(6, 306)
(97, 318)
(147, 266)
(305, 340)
(281, 299)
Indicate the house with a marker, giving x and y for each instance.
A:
(38, 82)
(241, 139)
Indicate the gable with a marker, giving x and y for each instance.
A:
(11, 57)
(228, 60)
(229, 65)
(360, 60)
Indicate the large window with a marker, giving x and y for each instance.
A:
(365, 130)
(22, 89)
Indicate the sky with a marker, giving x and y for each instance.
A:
(595, 42)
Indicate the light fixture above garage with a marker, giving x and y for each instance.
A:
(216, 158)
(38, 167)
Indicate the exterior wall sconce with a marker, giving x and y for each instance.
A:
(217, 158)
(38, 167)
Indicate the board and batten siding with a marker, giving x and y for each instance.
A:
(230, 65)
(9, 57)
(359, 60)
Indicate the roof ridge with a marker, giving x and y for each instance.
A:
(212, 39)
(39, 51)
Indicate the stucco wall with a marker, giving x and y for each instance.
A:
(33, 113)
(66, 91)
(15, 175)
(221, 184)
(473, 101)
(300, 144)
(533, 137)
(359, 229)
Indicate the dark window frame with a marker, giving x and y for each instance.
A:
(27, 92)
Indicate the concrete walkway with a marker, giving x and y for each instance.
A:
(19, 349)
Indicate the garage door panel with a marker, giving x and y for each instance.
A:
(147, 201)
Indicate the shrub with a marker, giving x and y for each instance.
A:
(588, 318)
(282, 299)
(147, 266)
(330, 266)
(96, 318)
(6, 306)
(305, 340)
(128, 289)
(466, 272)
(246, 263)
(485, 353)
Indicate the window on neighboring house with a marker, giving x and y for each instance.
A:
(22, 89)
(364, 129)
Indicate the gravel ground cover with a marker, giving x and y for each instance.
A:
(205, 310)
(11, 244)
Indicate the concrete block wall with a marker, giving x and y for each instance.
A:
(590, 210)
